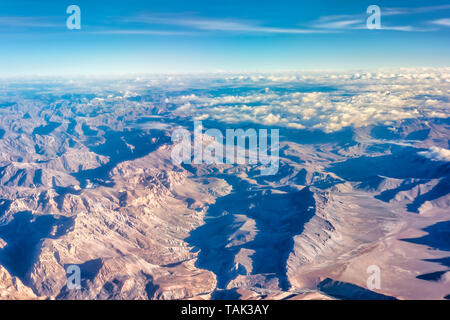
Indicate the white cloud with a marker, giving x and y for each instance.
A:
(33, 22)
(442, 22)
(329, 23)
(361, 99)
(417, 10)
(328, 101)
(436, 154)
(227, 25)
(271, 119)
(358, 21)
(144, 32)
(296, 125)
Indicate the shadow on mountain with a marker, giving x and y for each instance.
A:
(89, 269)
(88, 131)
(17, 179)
(349, 291)
(433, 276)
(150, 288)
(379, 148)
(419, 135)
(388, 133)
(439, 190)
(438, 236)
(4, 206)
(37, 178)
(403, 163)
(342, 138)
(278, 218)
(390, 194)
(46, 129)
(327, 182)
(442, 261)
(285, 172)
(370, 183)
(384, 133)
(71, 127)
(230, 294)
(23, 235)
(120, 146)
(62, 191)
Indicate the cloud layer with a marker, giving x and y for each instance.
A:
(328, 102)
(312, 101)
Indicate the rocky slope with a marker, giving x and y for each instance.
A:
(87, 179)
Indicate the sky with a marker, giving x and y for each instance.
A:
(171, 36)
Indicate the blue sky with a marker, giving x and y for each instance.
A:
(201, 36)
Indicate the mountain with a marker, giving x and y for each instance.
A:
(361, 179)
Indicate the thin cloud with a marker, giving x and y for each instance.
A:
(400, 28)
(144, 32)
(335, 22)
(220, 25)
(442, 22)
(30, 22)
(408, 11)
(358, 21)
(338, 24)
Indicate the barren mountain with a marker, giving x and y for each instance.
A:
(87, 178)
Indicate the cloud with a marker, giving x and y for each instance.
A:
(295, 125)
(436, 154)
(223, 25)
(358, 21)
(271, 119)
(361, 99)
(144, 32)
(33, 22)
(327, 101)
(325, 24)
(401, 28)
(442, 22)
(355, 21)
(410, 11)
